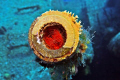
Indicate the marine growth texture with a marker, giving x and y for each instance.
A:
(58, 40)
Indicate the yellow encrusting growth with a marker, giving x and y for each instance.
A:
(69, 23)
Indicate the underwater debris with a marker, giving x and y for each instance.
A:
(10, 47)
(42, 37)
(60, 44)
(13, 44)
(26, 10)
(2, 30)
(16, 45)
(114, 45)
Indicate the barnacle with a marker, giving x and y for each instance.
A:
(54, 35)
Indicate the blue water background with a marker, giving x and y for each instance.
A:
(17, 60)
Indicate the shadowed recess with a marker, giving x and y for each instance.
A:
(54, 36)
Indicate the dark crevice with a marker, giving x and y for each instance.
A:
(26, 10)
